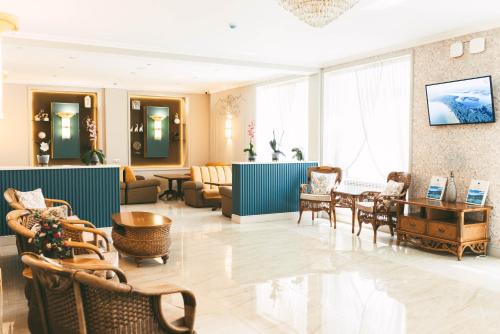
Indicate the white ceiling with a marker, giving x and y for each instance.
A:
(190, 47)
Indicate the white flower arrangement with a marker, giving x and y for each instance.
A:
(44, 147)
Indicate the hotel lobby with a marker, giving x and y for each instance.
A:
(251, 166)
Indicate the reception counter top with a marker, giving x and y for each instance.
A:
(267, 190)
(92, 191)
(56, 167)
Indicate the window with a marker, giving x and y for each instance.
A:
(284, 109)
(366, 119)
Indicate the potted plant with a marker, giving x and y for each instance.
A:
(275, 147)
(298, 154)
(49, 241)
(251, 149)
(93, 156)
(43, 155)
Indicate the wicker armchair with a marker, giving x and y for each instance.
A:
(11, 198)
(315, 202)
(82, 236)
(379, 210)
(75, 301)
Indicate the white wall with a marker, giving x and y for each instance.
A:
(15, 127)
(223, 150)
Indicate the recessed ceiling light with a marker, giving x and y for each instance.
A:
(232, 26)
(148, 64)
(114, 83)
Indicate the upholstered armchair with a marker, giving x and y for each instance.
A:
(198, 193)
(379, 208)
(76, 301)
(319, 201)
(11, 198)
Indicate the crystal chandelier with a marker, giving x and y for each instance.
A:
(317, 13)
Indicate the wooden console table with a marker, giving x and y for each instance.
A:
(445, 227)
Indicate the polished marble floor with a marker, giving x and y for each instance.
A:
(280, 277)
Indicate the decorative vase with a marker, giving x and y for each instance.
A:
(43, 160)
(276, 157)
(94, 159)
(251, 158)
(451, 189)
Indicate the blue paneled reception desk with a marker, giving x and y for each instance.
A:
(267, 191)
(93, 192)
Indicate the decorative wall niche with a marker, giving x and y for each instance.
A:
(62, 126)
(157, 131)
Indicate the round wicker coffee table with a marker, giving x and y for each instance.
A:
(141, 235)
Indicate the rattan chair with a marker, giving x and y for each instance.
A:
(75, 301)
(75, 232)
(319, 202)
(11, 198)
(379, 210)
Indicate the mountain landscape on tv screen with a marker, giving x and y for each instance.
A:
(462, 102)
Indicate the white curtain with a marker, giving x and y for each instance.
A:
(284, 109)
(366, 128)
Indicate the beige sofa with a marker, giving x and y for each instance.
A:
(198, 193)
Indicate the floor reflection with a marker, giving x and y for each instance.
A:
(349, 304)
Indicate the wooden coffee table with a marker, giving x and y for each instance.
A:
(141, 235)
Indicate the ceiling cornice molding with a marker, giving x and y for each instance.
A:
(28, 40)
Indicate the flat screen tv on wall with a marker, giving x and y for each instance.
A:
(466, 101)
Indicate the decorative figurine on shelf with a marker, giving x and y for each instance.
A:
(298, 154)
(136, 129)
(43, 157)
(275, 147)
(141, 128)
(87, 102)
(136, 105)
(41, 116)
(250, 149)
(451, 189)
(48, 239)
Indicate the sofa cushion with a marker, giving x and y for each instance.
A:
(129, 174)
(315, 197)
(393, 188)
(211, 193)
(219, 174)
(322, 183)
(31, 199)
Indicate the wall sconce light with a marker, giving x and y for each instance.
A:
(66, 123)
(177, 120)
(228, 128)
(157, 126)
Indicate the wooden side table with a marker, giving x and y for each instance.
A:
(170, 193)
(346, 196)
(444, 227)
(141, 235)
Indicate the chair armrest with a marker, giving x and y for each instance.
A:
(143, 184)
(50, 202)
(19, 229)
(79, 222)
(84, 245)
(194, 185)
(140, 178)
(189, 307)
(70, 225)
(303, 187)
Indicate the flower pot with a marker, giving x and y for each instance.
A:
(251, 158)
(276, 157)
(94, 159)
(43, 160)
